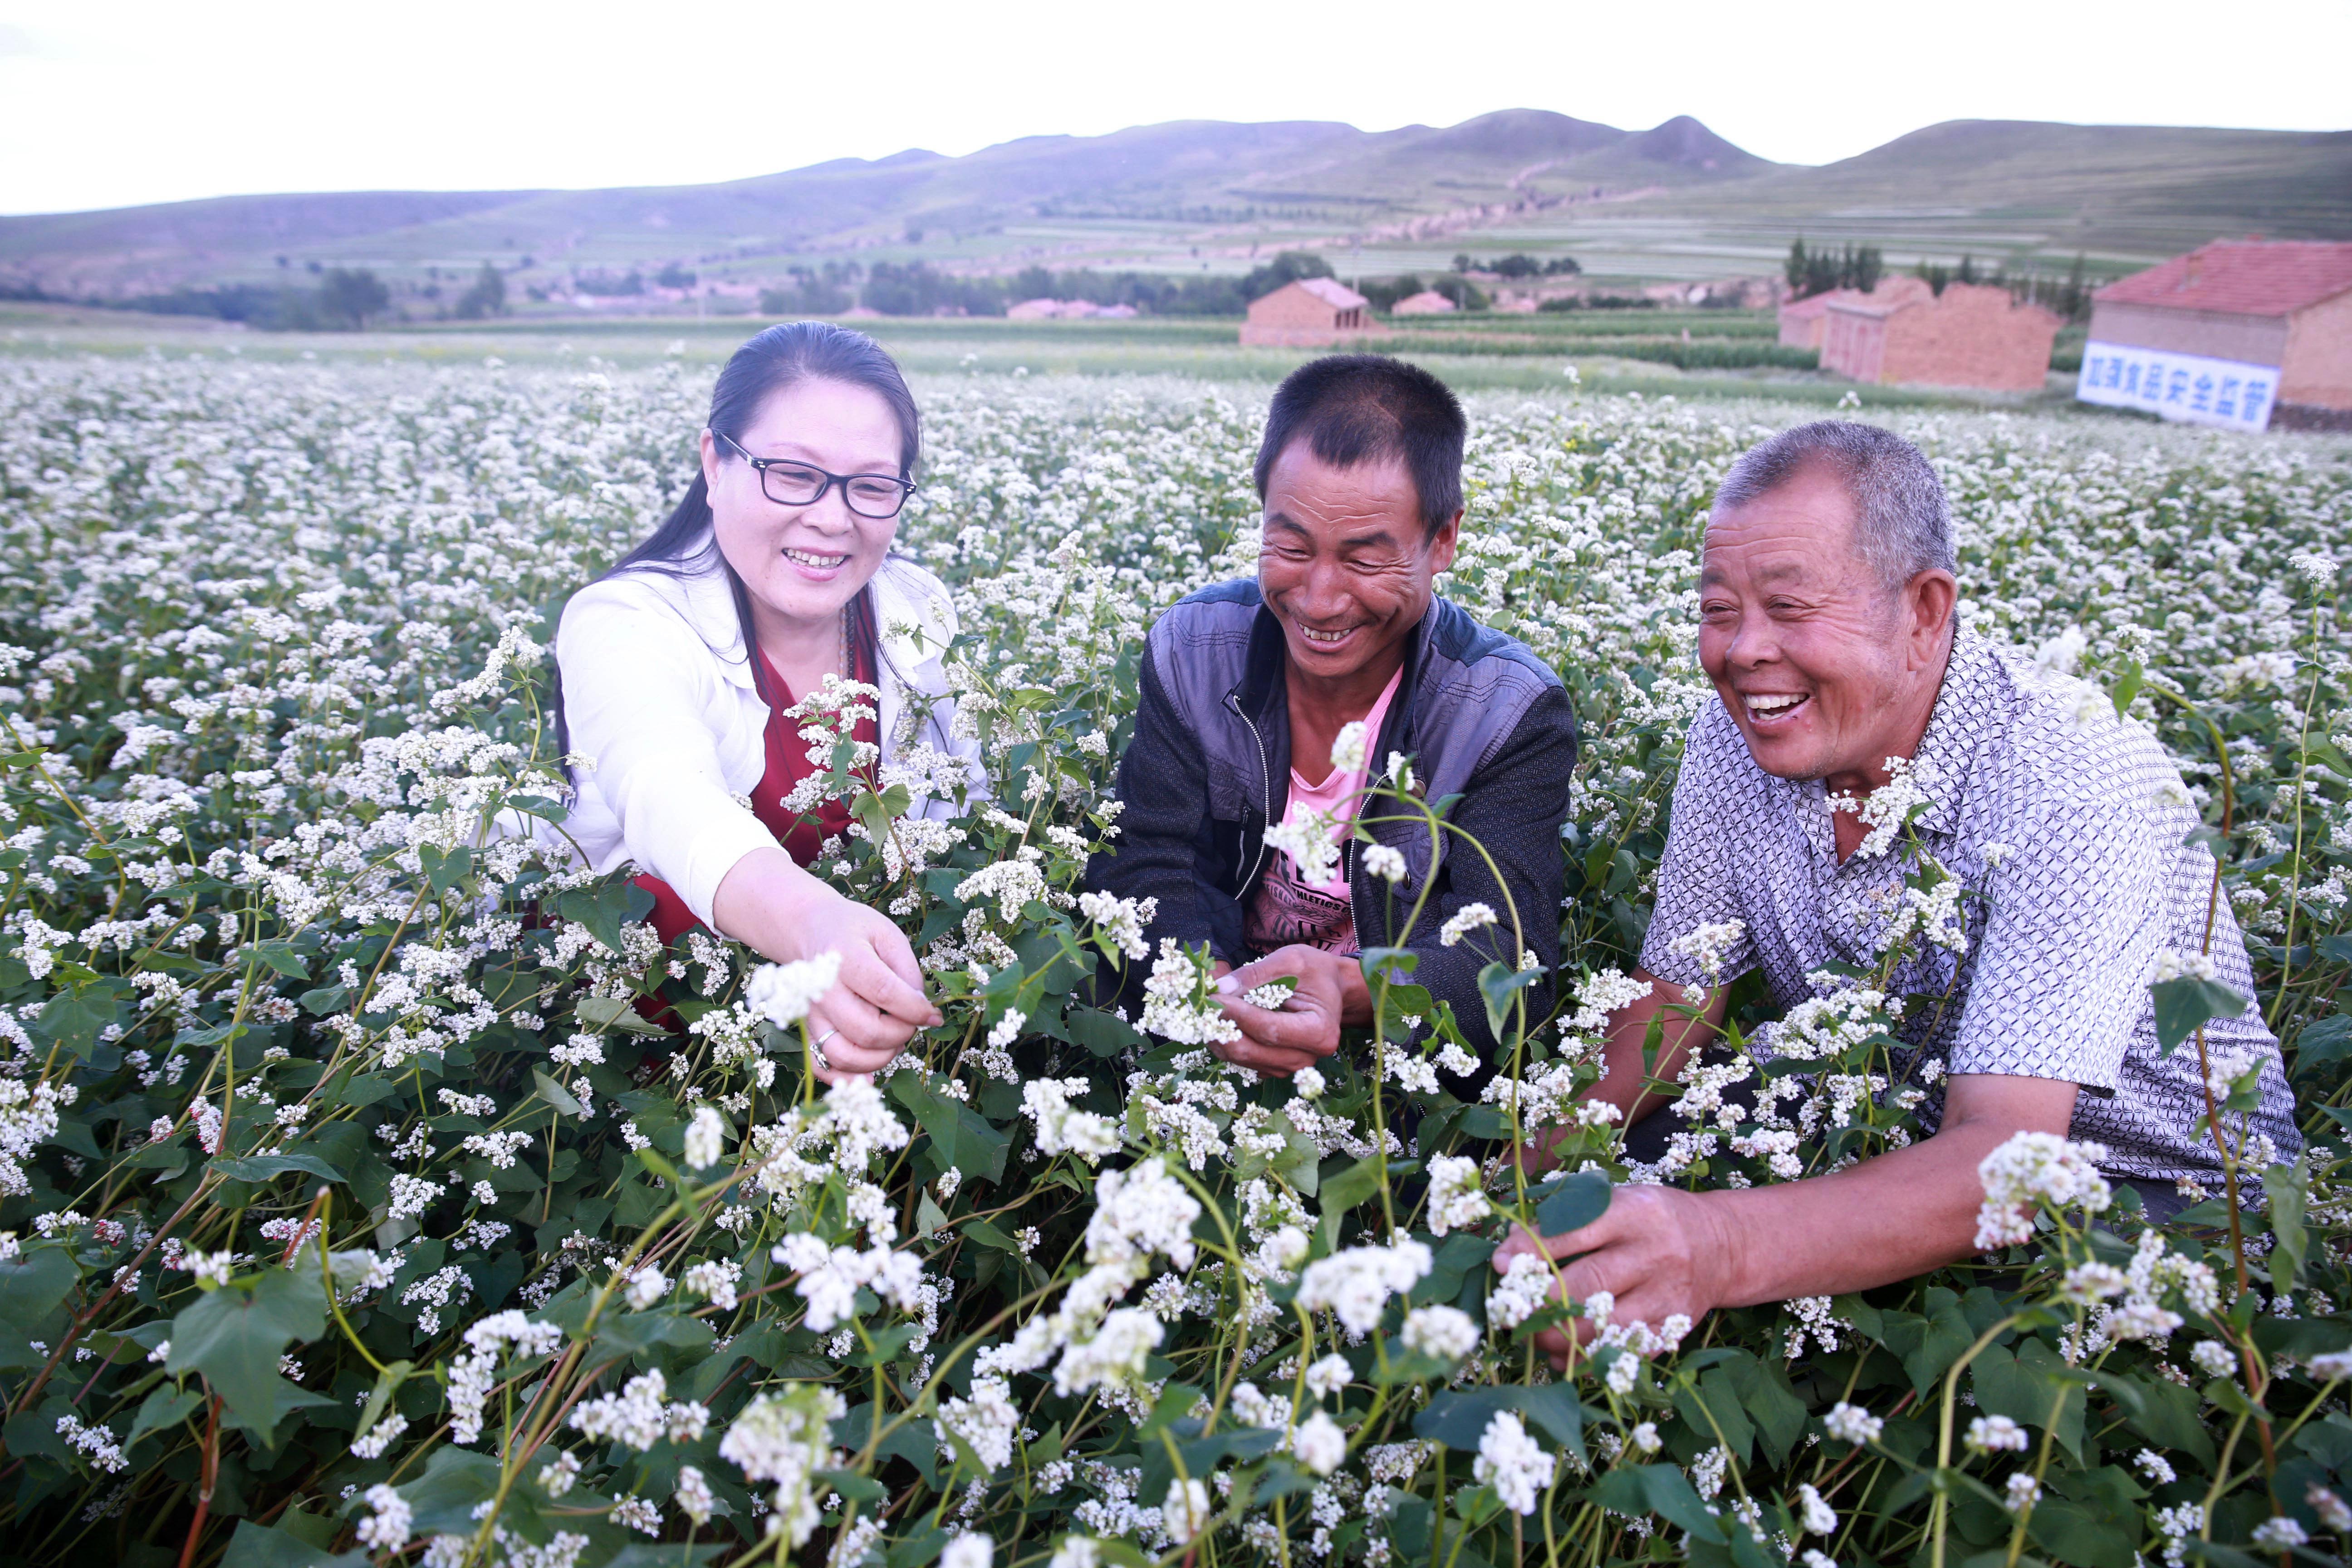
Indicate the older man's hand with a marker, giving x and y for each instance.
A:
(1658, 1250)
(1301, 1033)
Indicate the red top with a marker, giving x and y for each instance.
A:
(2248, 277)
(788, 764)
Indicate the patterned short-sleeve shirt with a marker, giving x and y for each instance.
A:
(2088, 822)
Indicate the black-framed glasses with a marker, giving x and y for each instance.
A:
(788, 483)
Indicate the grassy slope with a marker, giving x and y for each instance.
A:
(1205, 195)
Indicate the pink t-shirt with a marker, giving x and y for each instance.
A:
(1288, 908)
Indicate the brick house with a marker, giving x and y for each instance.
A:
(1972, 335)
(2239, 333)
(1310, 313)
(1428, 302)
(1802, 320)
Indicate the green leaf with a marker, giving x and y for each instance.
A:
(387, 1384)
(1928, 1345)
(324, 999)
(165, 1406)
(1498, 983)
(610, 1013)
(2187, 1005)
(257, 1546)
(31, 1288)
(1711, 1405)
(555, 1094)
(1391, 964)
(1576, 1203)
(852, 1485)
(235, 1335)
(455, 1481)
(1639, 1489)
(2024, 1387)
(960, 1136)
(73, 1018)
(281, 957)
(2288, 1188)
(605, 909)
(1340, 1193)
(1102, 1034)
(269, 1167)
(1458, 1417)
(445, 872)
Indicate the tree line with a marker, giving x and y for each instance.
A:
(1817, 271)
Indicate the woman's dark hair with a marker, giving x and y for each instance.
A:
(782, 356)
(1352, 409)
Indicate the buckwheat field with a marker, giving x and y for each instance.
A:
(353, 1211)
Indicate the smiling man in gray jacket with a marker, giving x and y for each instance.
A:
(1239, 814)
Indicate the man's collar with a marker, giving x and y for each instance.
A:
(1956, 731)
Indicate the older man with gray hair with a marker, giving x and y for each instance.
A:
(1826, 622)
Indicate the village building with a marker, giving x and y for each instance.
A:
(2240, 334)
(1066, 310)
(1310, 313)
(1970, 335)
(1428, 302)
(1803, 320)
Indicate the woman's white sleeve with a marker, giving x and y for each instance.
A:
(638, 688)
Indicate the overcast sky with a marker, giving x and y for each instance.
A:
(148, 100)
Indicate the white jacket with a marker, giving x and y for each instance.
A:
(671, 735)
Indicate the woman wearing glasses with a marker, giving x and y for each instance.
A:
(678, 666)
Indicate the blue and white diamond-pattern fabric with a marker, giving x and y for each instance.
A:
(2072, 824)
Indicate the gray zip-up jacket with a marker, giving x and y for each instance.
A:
(1209, 767)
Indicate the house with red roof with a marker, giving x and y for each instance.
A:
(1309, 313)
(2241, 333)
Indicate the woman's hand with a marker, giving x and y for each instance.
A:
(877, 1004)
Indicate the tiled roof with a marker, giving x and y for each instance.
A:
(2240, 276)
(1333, 293)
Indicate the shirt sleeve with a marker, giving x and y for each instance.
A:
(2066, 944)
(638, 687)
(1699, 877)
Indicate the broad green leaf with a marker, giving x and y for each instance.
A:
(1637, 1490)
(555, 1094)
(1497, 984)
(269, 1167)
(2187, 1005)
(165, 1406)
(32, 1286)
(960, 1136)
(455, 1481)
(445, 872)
(387, 1384)
(1576, 1203)
(610, 1013)
(281, 957)
(258, 1546)
(234, 1335)
(2288, 1188)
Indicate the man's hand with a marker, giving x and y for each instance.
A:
(1658, 1250)
(1307, 1027)
(1895, 1215)
(877, 1006)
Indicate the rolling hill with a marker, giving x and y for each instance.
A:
(1210, 195)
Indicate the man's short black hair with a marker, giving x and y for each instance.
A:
(1352, 409)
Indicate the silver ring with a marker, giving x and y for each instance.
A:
(820, 1040)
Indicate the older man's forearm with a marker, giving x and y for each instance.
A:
(1888, 1218)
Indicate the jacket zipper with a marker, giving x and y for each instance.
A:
(1266, 784)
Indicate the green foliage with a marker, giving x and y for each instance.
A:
(298, 869)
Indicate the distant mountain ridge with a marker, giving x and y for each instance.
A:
(1205, 183)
